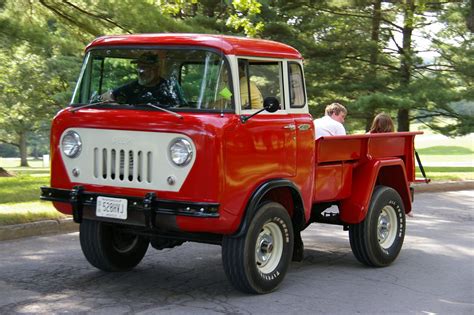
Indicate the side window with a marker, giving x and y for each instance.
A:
(259, 79)
(206, 86)
(297, 96)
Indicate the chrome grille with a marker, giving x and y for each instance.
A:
(122, 165)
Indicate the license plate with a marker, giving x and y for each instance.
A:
(115, 208)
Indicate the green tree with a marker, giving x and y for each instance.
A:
(24, 103)
(39, 62)
(454, 67)
(363, 53)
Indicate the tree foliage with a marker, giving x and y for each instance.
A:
(39, 61)
(375, 55)
(366, 54)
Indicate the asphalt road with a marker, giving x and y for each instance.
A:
(433, 274)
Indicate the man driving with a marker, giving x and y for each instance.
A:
(149, 87)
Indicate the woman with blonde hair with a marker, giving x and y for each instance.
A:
(382, 123)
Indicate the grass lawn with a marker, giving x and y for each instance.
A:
(454, 151)
(19, 195)
(22, 188)
(436, 173)
(23, 212)
(445, 150)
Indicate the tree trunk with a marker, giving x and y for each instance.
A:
(406, 64)
(470, 18)
(403, 119)
(23, 149)
(4, 173)
(375, 37)
(374, 56)
(194, 9)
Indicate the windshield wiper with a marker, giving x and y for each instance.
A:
(74, 109)
(115, 103)
(162, 109)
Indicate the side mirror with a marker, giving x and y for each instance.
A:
(271, 104)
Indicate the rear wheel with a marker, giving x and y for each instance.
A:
(378, 239)
(108, 248)
(258, 261)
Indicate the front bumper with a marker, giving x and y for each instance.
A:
(148, 211)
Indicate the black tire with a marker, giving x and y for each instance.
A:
(258, 261)
(109, 249)
(378, 239)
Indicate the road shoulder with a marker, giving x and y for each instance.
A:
(46, 227)
(444, 186)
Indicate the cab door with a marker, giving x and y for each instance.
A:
(264, 146)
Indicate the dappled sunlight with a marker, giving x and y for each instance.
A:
(427, 220)
(69, 303)
(40, 175)
(433, 246)
(444, 208)
(33, 257)
(444, 211)
(456, 302)
(469, 193)
(38, 255)
(57, 296)
(42, 252)
(319, 232)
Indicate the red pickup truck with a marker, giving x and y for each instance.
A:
(184, 137)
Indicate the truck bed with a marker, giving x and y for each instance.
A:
(337, 158)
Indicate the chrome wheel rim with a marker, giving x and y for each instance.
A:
(269, 247)
(387, 227)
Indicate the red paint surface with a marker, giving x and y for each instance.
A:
(232, 158)
(230, 45)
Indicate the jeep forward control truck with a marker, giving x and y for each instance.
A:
(213, 166)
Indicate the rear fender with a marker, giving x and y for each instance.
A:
(386, 172)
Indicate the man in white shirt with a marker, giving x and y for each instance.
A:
(332, 123)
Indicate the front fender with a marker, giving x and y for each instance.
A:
(258, 196)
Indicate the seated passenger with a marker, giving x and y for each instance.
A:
(332, 123)
(149, 87)
(382, 123)
(256, 98)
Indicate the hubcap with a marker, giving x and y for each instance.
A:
(269, 247)
(387, 227)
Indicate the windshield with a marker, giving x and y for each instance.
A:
(178, 79)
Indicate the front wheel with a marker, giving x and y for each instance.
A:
(378, 239)
(108, 248)
(258, 261)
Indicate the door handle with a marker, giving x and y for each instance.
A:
(290, 127)
(304, 127)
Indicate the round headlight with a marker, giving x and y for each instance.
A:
(181, 152)
(71, 144)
